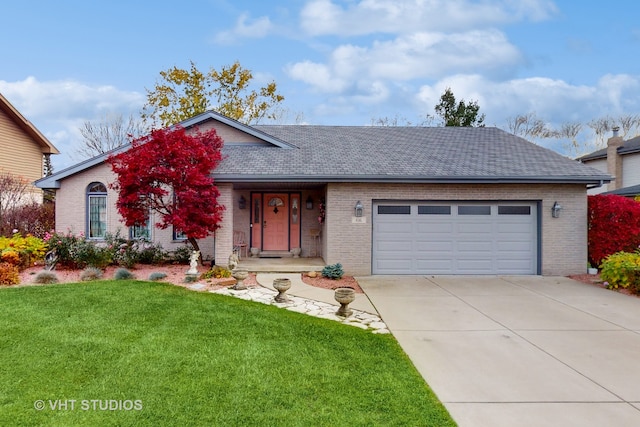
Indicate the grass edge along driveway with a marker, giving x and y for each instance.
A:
(142, 353)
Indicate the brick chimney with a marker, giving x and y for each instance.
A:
(614, 161)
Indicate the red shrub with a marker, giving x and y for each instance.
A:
(614, 226)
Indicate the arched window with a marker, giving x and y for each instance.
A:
(97, 210)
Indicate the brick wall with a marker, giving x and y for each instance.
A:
(564, 239)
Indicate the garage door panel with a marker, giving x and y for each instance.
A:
(394, 246)
(480, 227)
(478, 248)
(434, 227)
(514, 267)
(434, 246)
(519, 246)
(395, 227)
(474, 267)
(514, 227)
(456, 238)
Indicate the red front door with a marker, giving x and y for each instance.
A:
(275, 222)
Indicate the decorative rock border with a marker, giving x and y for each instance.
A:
(359, 319)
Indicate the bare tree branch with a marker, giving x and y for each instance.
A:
(109, 133)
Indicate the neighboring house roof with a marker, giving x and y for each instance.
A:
(46, 146)
(631, 191)
(629, 146)
(304, 153)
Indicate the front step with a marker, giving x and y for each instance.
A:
(282, 265)
(275, 254)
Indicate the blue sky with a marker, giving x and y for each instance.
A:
(337, 62)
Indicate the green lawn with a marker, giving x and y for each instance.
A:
(156, 354)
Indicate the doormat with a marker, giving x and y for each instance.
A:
(270, 256)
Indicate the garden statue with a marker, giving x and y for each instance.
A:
(233, 260)
(193, 263)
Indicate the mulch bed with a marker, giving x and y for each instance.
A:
(595, 280)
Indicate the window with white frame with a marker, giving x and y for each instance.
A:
(96, 210)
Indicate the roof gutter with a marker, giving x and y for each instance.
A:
(381, 179)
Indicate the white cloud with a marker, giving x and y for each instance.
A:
(325, 17)
(412, 56)
(245, 29)
(554, 101)
(317, 75)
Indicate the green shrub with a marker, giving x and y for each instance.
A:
(92, 254)
(334, 271)
(216, 272)
(123, 274)
(182, 255)
(190, 278)
(91, 273)
(65, 246)
(157, 275)
(152, 254)
(78, 252)
(622, 270)
(9, 274)
(46, 278)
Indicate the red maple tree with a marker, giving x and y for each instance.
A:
(169, 172)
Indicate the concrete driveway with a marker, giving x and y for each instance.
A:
(518, 350)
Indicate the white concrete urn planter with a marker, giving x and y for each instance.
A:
(239, 274)
(281, 285)
(296, 252)
(255, 252)
(345, 296)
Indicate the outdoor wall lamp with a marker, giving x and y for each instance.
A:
(359, 209)
(555, 210)
(242, 202)
(309, 203)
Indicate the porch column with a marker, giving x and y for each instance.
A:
(224, 234)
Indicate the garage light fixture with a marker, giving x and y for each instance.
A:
(359, 209)
(555, 210)
(309, 203)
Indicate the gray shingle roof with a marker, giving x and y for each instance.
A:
(630, 191)
(296, 153)
(629, 146)
(411, 154)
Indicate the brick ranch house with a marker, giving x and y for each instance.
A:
(396, 200)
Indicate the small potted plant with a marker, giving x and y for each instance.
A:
(591, 270)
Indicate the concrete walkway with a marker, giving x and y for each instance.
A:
(518, 351)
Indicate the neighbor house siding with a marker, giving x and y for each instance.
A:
(20, 155)
(631, 169)
(564, 239)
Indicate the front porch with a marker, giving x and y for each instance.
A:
(282, 265)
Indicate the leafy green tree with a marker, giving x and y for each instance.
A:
(461, 113)
(183, 94)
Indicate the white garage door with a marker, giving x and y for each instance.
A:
(455, 238)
